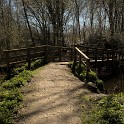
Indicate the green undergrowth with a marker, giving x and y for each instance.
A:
(92, 77)
(11, 96)
(11, 92)
(34, 65)
(99, 108)
(108, 110)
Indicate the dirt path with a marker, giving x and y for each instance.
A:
(53, 97)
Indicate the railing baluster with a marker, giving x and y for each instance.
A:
(96, 56)
(8, 64)
(75, 56)
(82, 55)
(102, 55)
(29, 58)
(71, 54)
(87, 69)
(60, 54)
(79, 61)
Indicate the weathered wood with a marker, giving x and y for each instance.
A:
(8, 64)
(16, 56)
(46, 54)
(75, 56)
(102, 55)
(80, 61)
(82, 55)
(29, 59)
(71, 54)
(96, 53)
(60, 55)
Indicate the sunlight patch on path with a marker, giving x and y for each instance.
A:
(55, 97)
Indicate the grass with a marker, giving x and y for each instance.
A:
(106, 110)
(99, 110)
(11, 96)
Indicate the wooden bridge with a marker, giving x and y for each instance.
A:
(95, 58)
(103, 61)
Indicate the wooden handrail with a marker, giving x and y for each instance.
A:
(21, 49)
(16, 56)
(44, 51)
(82, 54)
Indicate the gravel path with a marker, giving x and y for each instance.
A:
(53, 97)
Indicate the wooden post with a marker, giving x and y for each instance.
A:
(87, 69)
(87, 51)
(113, 54)
(119, 55)
(46, 55)
(80, 62)
(116, 55)
(107, 55)
(29, 58)
(122, 56)
(60, 54)
(71, 54)
(96, 58)
(102, 55)
(8, 64)
(75, 56)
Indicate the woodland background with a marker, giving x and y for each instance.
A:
(25, 23)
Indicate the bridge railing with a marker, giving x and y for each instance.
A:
(60, 53)
(98, 54)
(27, 55)
(81, 57)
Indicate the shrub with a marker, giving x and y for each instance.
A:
(18, 80)
(83, 75)
(5, 115)
(70, 64)
(19, 69)
(73, 67)
(11, 94)
(111, 109)
(92, 76)
(38, 63)
(34, 65)
(78, 69)
(99, 84)
(26, 75)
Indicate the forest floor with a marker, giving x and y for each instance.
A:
(54, 96)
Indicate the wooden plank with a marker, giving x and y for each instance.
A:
(29, 58)
(17, 62)
(14, 50)
(82, 54)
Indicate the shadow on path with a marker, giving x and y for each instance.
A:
(55, 97)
